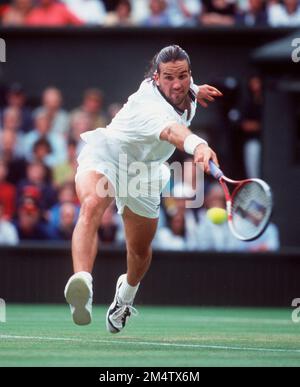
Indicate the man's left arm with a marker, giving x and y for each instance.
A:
(207, 93)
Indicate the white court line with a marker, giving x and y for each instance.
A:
(239, 320)
(174, 345)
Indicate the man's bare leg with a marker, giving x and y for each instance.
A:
(139, 232)
(79, 289)
(85, 236)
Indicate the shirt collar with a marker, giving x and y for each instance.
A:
(179, 111)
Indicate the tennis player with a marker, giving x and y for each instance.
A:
(150, 126)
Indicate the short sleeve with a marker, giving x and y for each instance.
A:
(153, 120)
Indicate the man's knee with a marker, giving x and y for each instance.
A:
(92, 208)
(140, 254)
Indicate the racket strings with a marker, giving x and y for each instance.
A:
(251, 209)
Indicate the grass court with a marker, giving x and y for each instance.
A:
(44, 335)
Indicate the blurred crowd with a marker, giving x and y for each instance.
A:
(39, 146)
(150, 13)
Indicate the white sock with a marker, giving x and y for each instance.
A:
(127, 292)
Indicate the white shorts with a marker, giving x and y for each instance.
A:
(102, 160)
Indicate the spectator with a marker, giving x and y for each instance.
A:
(7, 193)
(226, 130)
(268, 241)
(172, 237)
(36, 186)
(242, 5)
(41, 150)
(158, 14)
(218, 237)
(89, 11)
(254, 16)
(8, 152)
(113, 109)
(40, 153)
(215, 237)
(29, 222)
(251, 125)
(43, 122)
(65, 172)
(140, 11)
(121, 16)
(184, 12)
(16, 98)
(4, 6)
(284, 15)
(66, 194)
(17, 12)
(181, 220)
(51, 13)
(218, 12)
(11, 119)
(80, 122)
(11, 127)
(8, 232)
(92, 105)
(67, 219)
(52, 101)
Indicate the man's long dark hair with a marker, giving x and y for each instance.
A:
(167, 54)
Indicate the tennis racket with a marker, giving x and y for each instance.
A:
(249, 206)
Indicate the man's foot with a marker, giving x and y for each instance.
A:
(119, 312)
(79, 294)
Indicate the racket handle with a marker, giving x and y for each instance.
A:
(215, 171)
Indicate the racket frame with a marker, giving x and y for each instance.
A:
(219, 175)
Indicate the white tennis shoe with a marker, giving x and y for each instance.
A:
(118, 313)
(79, 294)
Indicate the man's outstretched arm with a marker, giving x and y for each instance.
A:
(181, 137)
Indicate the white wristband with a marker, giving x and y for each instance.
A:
(191, 142)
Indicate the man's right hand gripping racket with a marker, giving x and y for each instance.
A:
(249, 206)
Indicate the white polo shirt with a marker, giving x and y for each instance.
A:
(137, 126)
(129, 151)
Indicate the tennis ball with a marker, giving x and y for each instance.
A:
(217, 215)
